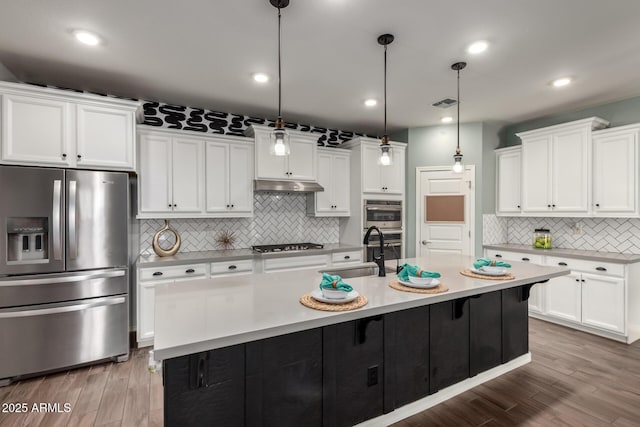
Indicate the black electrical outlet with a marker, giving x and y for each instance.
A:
(372, 375)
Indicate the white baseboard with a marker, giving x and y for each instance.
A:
(445, 394)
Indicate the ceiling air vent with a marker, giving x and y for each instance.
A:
(445, 103)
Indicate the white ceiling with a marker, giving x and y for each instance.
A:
(202, 53)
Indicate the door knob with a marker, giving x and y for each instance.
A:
(424, 242)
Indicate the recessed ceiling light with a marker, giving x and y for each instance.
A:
(260, 77)
(447, 119)
(564, 81)
(477, 47)
(370, 102)
(87, 37)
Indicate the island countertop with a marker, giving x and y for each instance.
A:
(206, 314)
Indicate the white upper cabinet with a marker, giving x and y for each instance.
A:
(377, 178)
(105, 138)
(51, 127)
(556, 169)
(229, 176)
(508, 165)
(299, 165)
(615, 172)
(186, 176)
(334, 177)
(171, 175)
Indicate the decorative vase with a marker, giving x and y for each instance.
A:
(159, 250)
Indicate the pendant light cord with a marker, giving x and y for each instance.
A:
(458, 146)
(385, 90)
(279, 68)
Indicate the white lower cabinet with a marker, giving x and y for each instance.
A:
(597, 297)
(562, 297)
(148, 279)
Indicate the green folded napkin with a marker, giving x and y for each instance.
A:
(334, 282)
(412, 270)
(484, 262)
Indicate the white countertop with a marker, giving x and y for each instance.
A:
(614, 257)
(201, 315)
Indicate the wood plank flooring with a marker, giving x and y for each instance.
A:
(575, 379)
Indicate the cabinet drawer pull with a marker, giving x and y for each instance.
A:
(564, 264)
(526, 259)
(232, 267)
(189, 271)
(601, 269)
(498, 256)
(597, 205)
(158, 273)
(79, 157)
(347, 257)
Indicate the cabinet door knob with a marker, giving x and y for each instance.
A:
(232, 206)
(518, 206)
(170, 205)
(548, 206)
(601, 269)
(189, 271)
(158, 273)
(597, 205)
(564, 264)
(553, 206)
(79, 156)
(175, 206)
(232, 267)
(577, 280)
(64, 155)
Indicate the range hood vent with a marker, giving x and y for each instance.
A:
(287, 186)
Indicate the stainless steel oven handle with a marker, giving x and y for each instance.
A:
(100, 302)
(383, 208)
(66, 279)
(56, 218)
(73, 232)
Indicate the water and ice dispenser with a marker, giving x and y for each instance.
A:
(27, 240)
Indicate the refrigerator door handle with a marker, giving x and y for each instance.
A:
(73, 216)
(56, 218)
(99, 302)
(64, 279)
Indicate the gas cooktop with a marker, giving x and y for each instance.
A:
(286, 247)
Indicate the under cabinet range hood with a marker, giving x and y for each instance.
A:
(286, 186)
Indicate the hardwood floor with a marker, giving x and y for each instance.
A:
(575, 379)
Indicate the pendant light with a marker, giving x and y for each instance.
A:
(457, 157)
(279, 137)
(386, 157)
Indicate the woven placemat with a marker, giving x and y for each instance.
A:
(400, 287)
(308, 301)
(470, 273)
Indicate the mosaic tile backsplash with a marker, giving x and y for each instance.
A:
(277, 218)
(620, 235)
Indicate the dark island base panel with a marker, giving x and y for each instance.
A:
(344, 374)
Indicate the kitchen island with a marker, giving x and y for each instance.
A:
(244, 351)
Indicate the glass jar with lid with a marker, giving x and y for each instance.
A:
(542, 238)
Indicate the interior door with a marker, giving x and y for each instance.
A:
(97, 209)
(444, 212)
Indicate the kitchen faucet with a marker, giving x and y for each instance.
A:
(379, 260)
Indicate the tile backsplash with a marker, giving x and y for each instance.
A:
(277, 218)
(621, 235)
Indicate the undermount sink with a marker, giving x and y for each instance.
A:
(360, 270)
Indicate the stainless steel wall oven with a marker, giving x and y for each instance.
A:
(384, 214)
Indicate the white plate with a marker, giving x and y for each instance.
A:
(316, 294)
(433, 284)
(490, 273)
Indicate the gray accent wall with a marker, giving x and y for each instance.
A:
(619, 113)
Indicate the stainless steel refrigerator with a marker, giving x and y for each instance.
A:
(63, 268)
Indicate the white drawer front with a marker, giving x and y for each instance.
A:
(513, 256)
(232, 267)
(294, 263)
(176, 272)
(342, 257)
(595, 267)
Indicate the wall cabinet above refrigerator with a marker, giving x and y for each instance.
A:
(51, 127)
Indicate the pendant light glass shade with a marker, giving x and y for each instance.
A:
(458, 167)
(279, 138)
(386, 155)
